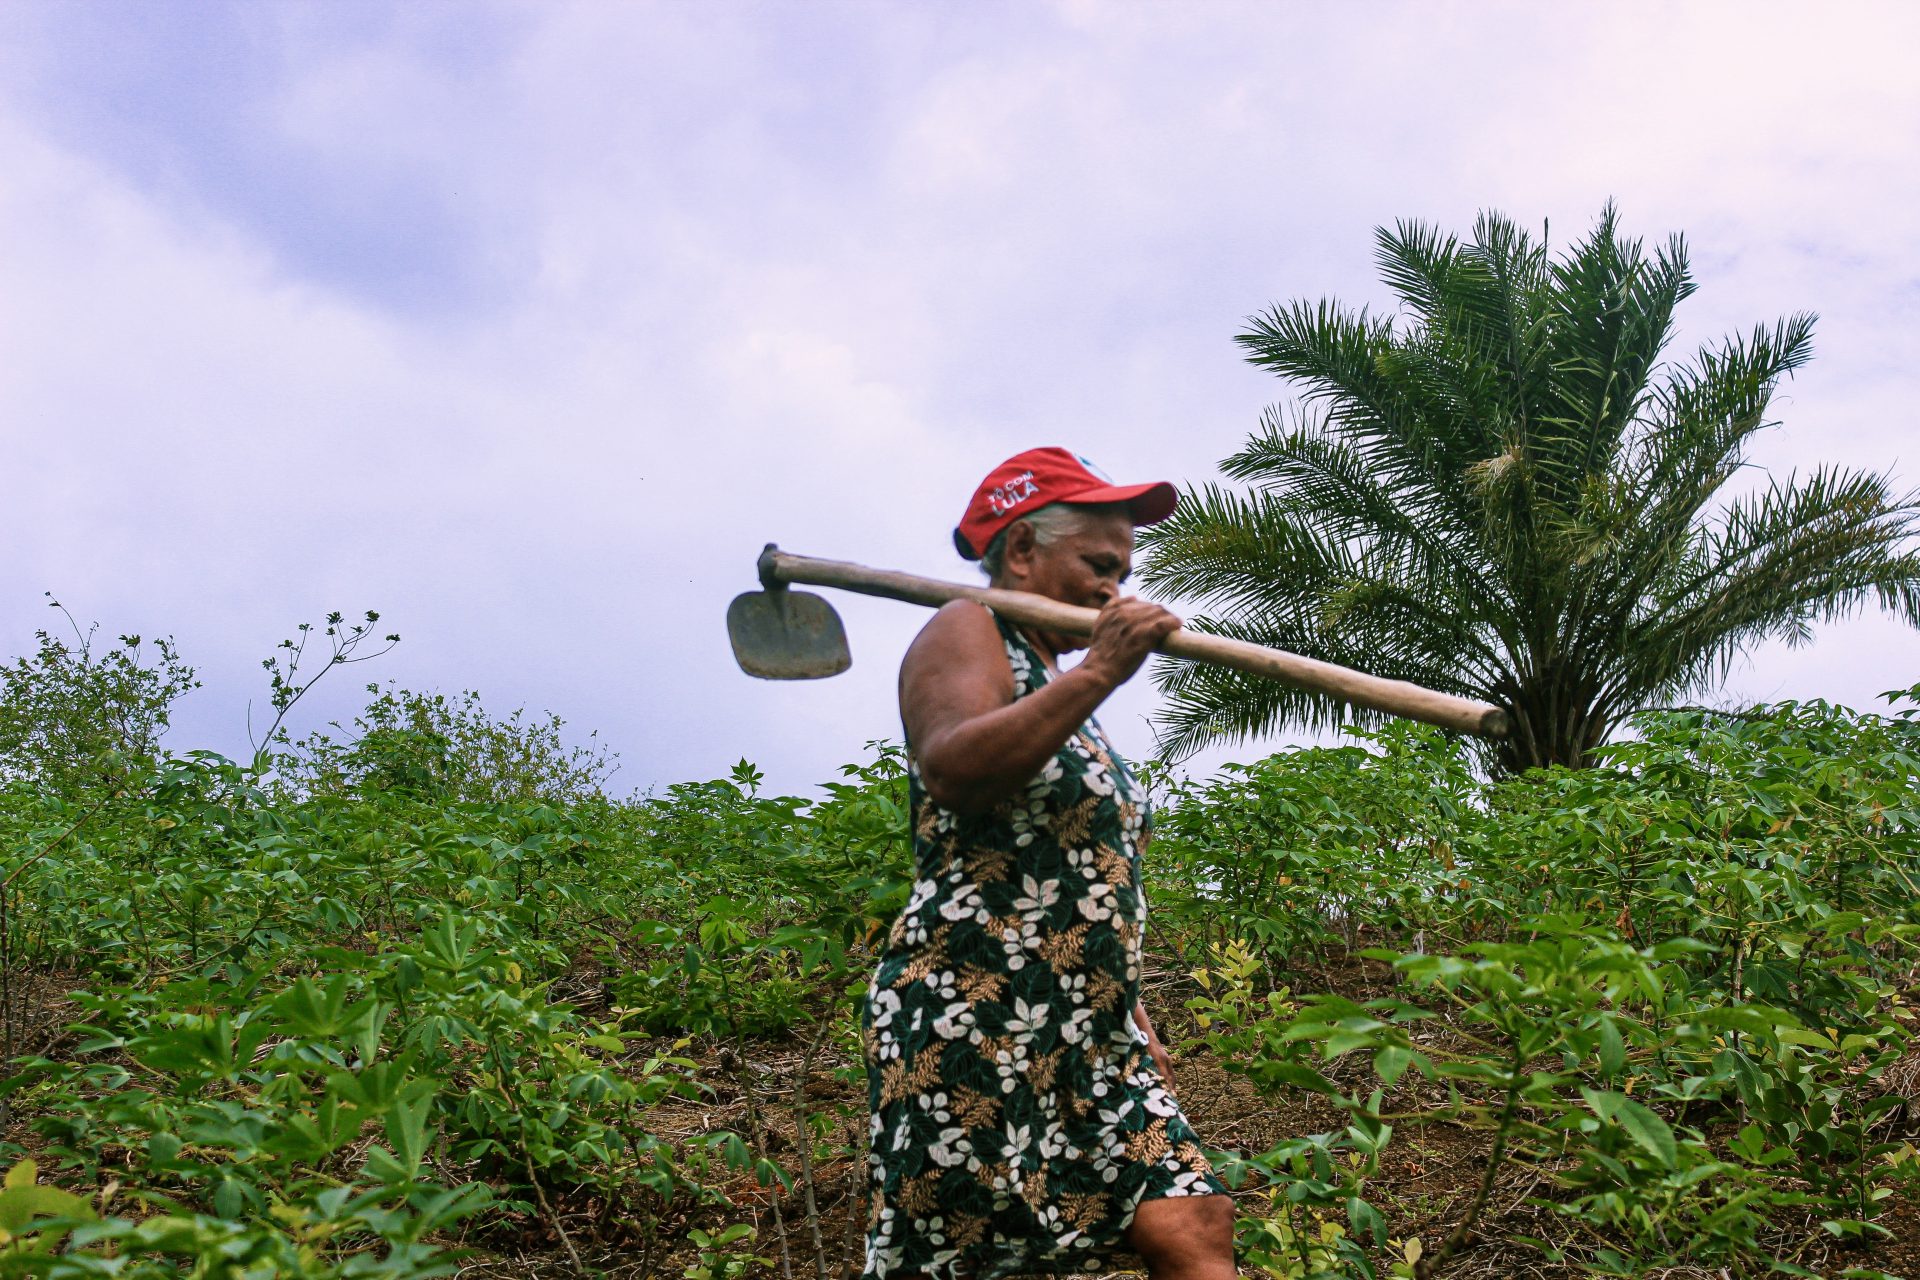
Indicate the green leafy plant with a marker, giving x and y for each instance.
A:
(724, 1254)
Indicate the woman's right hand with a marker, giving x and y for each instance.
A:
(1127, 630)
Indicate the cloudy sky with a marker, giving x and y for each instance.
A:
(528, 324)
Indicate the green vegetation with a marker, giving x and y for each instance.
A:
(417, 995)
(1503, 492)
(1672, 989)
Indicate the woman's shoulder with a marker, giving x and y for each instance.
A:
(965, 624)
(962, 640)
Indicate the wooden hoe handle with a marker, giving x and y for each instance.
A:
(1395, 697)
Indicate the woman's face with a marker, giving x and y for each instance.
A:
(1085, 567)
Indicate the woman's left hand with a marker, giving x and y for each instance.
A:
(1158, 1051)
(1162, 1061)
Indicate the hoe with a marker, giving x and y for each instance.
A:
(780, 634)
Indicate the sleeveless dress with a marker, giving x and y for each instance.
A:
(1018, 1120)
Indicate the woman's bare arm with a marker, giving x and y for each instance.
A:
(975, 743)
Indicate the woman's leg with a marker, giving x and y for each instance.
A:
(1185, 1237)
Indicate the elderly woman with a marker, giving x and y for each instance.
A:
(1023, 1117)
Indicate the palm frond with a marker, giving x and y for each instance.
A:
(1782, 560)
(1612, 318)
(1682, 456)
(1341, 359)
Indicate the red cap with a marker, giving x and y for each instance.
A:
(1028, 481)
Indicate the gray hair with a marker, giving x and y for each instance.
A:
(1053, 521)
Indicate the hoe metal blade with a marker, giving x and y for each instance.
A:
(787, 635)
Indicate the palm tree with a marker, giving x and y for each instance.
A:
(1503, 492)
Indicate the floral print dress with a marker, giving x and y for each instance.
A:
(1018, 1120)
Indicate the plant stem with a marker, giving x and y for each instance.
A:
(803, 1143)
(1462, 1234)
(573, 1255)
